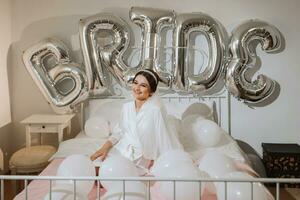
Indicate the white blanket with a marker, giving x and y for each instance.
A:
(80, 145)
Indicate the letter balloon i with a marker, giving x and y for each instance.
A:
(152, 21)
(243, 59)
(62, 82)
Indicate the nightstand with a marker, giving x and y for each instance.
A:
(44, 123)
(282, 161)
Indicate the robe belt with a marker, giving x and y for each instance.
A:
(132, 151)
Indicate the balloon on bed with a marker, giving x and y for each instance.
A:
(106, 43)
(242, 190)
(75, 166)
(177, 164)
(116, 165)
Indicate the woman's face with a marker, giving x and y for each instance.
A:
(141, 88)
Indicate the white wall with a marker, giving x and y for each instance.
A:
(34, 20)
(5, 40)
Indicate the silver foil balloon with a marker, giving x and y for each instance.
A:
(152, 21)
(104, 39)
(242, 63)
(216, 37)
(62, 82)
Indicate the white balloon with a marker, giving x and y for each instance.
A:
(134, 190)
(216, 164)
(117, 166)
(77, 165)
(241, 190)
(97, 127)
(169, 160)
(204, 133)
(184, 190)
(64, 192)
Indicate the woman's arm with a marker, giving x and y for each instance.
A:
(103, 151)
(116, 135)
(111, 141)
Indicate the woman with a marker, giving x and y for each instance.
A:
(143, 133)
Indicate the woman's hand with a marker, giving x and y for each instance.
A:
(102, 152)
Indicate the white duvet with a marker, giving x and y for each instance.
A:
(81, 144)
(85, 145)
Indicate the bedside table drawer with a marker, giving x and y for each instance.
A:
(43, 128)
(47, 123)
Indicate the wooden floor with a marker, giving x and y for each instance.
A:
(285, 193)
(295, 192)
(8, 195)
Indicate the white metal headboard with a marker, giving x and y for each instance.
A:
(220, 103)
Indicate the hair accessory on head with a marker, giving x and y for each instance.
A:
(151, 73)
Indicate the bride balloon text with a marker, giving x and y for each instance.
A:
(106, 39)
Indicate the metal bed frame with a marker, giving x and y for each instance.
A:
(277, 181)
(219, 98)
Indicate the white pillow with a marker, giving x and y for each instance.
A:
(97, 127)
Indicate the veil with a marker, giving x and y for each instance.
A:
(157, 100)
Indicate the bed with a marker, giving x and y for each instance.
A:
(215, 108)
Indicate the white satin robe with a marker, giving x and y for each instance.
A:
(144, 134)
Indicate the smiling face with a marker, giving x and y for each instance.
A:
(140, 88)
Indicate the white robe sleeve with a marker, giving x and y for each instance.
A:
(116, 135)
(116, 132)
